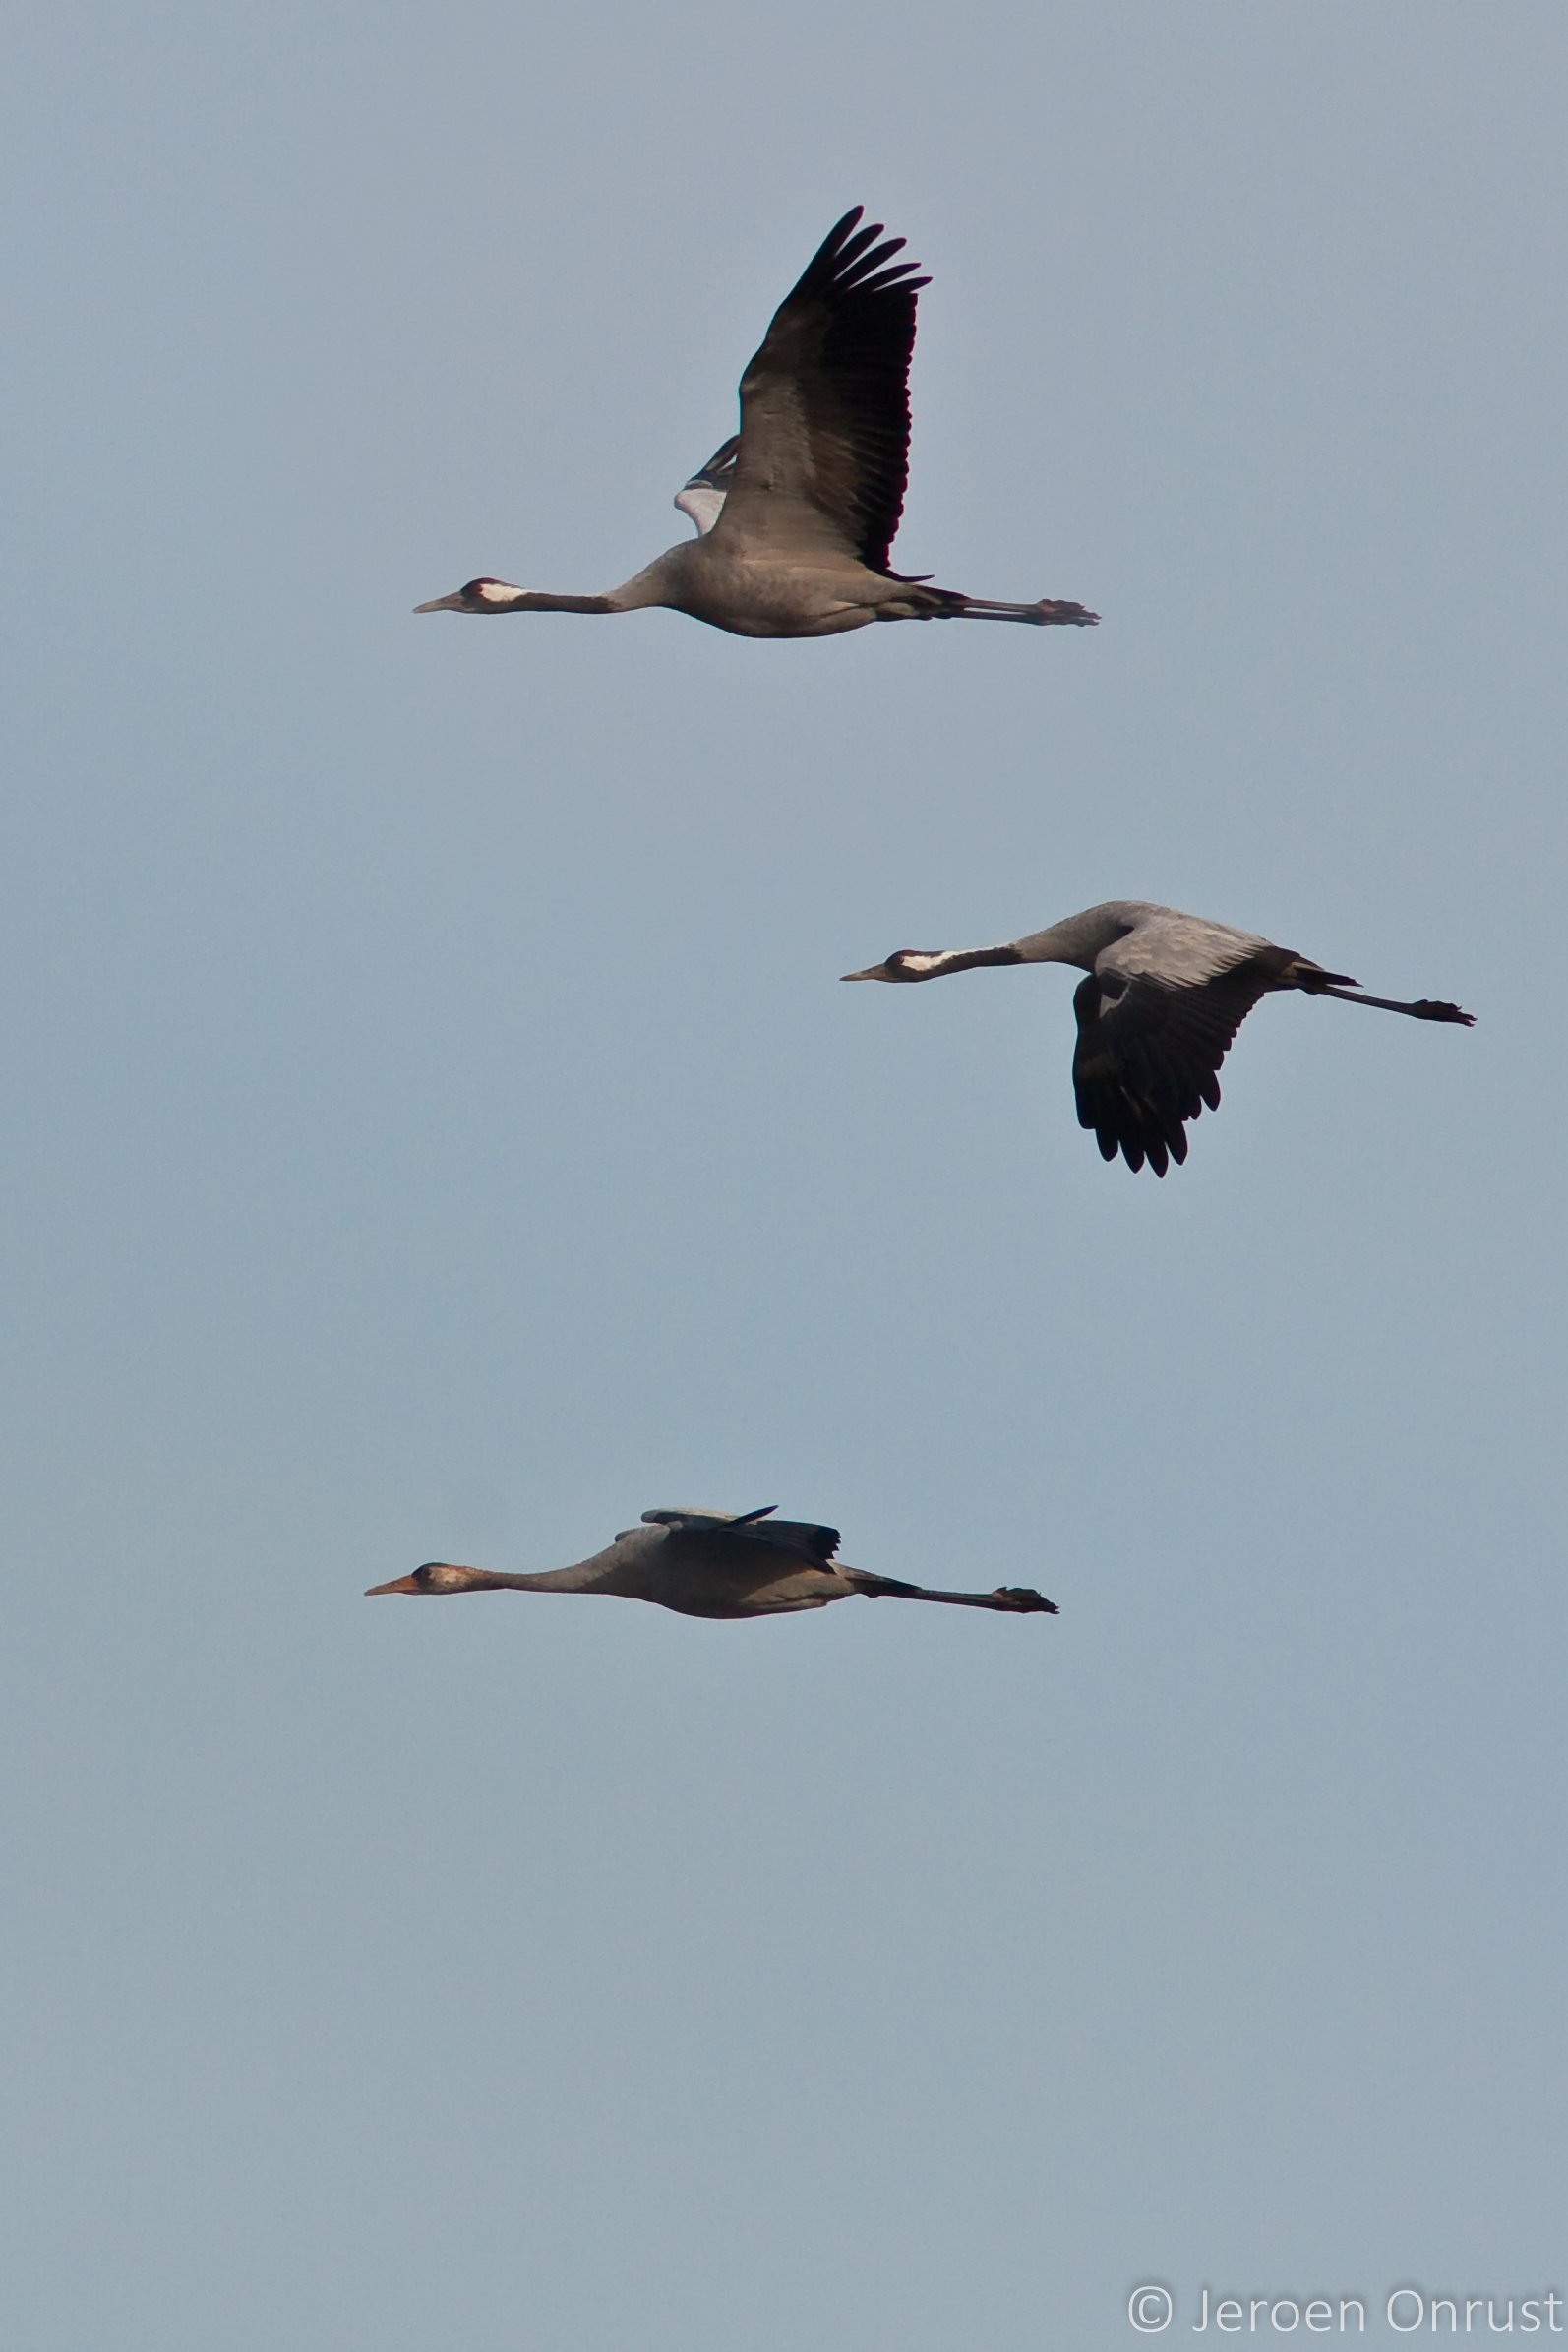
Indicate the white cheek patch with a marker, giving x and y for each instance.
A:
(495, 592)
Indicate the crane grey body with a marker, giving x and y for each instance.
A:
(712, 1564)
(796, 528)
(1164, 999)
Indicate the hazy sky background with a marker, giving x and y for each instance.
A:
(434, 1129)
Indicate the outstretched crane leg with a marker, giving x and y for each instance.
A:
(1424, 1009)
(1016, 1598)
(1046, 613)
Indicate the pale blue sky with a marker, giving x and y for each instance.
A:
(436, 1129)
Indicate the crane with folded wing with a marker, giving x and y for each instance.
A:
(716, 1564)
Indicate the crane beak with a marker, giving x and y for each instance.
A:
(400, 1584)
(441, 604)
(875, 972)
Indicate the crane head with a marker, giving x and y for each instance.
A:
(907, 963)
(477, 596)
(436, 1576)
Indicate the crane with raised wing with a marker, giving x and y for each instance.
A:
(795, 532)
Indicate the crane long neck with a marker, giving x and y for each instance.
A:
(539, 600)
(668, 580)
(575, 1579)
(968, 959)
(1078, 939)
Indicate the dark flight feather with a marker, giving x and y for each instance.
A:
(1148, 1056)
(835, 363)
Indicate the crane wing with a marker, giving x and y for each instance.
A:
(702, 497)
(796, 1537)
(824, 406)
(1150, 1045)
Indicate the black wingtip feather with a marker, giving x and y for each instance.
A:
(857, 301)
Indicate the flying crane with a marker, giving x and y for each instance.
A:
(795, 532)
(1158, 1013)
(716, 1564)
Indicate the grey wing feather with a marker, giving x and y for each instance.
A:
(1181, 949)
(825, 403)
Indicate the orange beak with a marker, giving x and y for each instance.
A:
(399, 1583)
